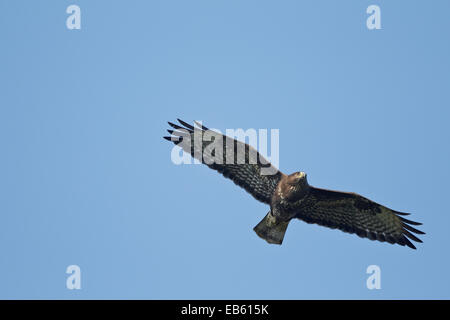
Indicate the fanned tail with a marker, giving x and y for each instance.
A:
(271, 229)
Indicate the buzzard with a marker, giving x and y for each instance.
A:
(290, 196)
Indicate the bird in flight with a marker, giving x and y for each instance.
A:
(290, 196)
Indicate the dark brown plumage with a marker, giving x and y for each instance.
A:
(290, 196)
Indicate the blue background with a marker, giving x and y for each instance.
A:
(86, 178)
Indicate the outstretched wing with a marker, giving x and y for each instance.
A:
(234, 159)
(353, 213)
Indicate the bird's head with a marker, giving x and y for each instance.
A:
(298, 178)
(295, 186)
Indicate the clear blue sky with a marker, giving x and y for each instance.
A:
(86, 178)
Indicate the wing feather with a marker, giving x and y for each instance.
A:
(353, 213)
(247, 175)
